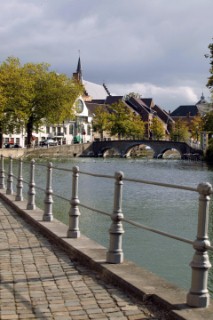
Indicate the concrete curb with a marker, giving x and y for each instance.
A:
(128, 276)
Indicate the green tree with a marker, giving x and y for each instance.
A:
(132, 95)
(157, 129)
(179, 131)
(209, 152)
(12, 89)
(210, 79)
(208, 122)
(101, 120)
(123, 122)
(135, 127)
(34, 95)
(196, 127)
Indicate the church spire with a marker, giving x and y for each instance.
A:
(78, 74)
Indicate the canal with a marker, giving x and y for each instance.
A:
(170, 210)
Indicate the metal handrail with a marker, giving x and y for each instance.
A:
(198, 295)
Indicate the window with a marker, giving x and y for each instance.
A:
(71, 129)
(48, 129)
(59, 131)
(88, 130)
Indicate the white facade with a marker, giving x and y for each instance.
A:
(78, 130)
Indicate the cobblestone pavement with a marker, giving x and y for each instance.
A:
(39, 281)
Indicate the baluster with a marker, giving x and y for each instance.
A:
(9, 189)
(19, 186)
(31, 192)
(115, 252)
(2, 174)
(48, 215)
(198, 295)
(73, 231)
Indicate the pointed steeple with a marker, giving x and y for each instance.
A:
(78, 74)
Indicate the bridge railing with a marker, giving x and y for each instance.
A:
(198, 295)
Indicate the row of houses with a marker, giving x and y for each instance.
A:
(80, 130)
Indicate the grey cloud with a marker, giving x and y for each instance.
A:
(160, 42)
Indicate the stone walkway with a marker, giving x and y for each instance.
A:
(39, 281)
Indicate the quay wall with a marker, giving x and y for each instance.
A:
(135, 280)
(74, 150)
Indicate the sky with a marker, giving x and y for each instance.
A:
(152, 47)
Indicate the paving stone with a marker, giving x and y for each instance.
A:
(39, 281)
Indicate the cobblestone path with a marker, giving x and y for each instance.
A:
(39, 281)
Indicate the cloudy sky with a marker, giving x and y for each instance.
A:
(152, 47)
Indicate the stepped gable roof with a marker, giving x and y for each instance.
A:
(162, 114)
(185, 111)
(95, 91)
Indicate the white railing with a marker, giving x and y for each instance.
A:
(198, 295)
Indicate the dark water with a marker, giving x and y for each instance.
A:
(170, 210)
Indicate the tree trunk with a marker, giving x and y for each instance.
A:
(29, 131)
(1, 137)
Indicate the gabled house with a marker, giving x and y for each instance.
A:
(187, 112)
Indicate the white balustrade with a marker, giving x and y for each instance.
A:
(198, 295)
(115, 252)
(73, 230)
(31, 192)
(48, 202)
(19, 186)
(2, 174)
(9, 189)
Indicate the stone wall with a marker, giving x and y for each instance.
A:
(64, 151)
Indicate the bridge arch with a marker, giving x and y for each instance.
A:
(139, 149)
(170, 153)
(122, 147)
(109, 151)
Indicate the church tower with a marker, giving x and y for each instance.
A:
(78, 74)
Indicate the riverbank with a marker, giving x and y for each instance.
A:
(64, 151)
(145, 286)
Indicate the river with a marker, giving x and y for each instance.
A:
(170, 210)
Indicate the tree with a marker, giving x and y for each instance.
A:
(124, 122)
(208, 122)
(196, 127)
(135, 127)
(157, 129)
(209, 152)
(34, 95)
(11, 88)
(101, 120)
(179, 131)
(210, 79)
(132, 95)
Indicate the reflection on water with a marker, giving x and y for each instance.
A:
(170, 210)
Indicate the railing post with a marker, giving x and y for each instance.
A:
(115, 252)
(2, 174)
(19, 186)
(9, 189)
(48, 202)
(31, 192)
(73, 230)
(198, 295)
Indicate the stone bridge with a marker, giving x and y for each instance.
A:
(123, 147)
